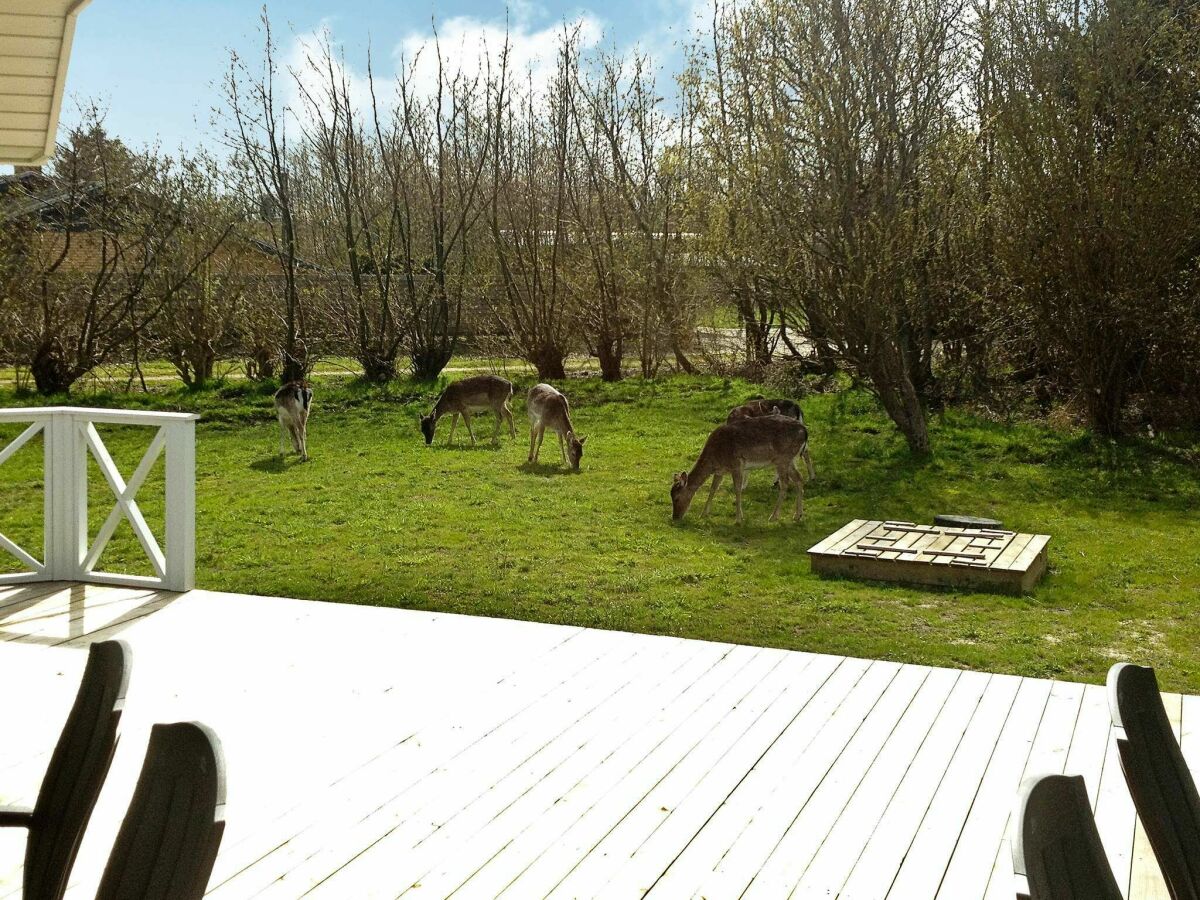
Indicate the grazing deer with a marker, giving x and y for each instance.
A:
(292, 403)
(548, 408)
(475, 394)
(763, 440)
(760, 407)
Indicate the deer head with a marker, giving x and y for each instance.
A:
(681, 497)
(575, 449)
(428, 423)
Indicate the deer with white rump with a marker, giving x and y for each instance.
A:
(757, 407)
(772, 440)
(292, 403)
(479, 393)
(548, 408)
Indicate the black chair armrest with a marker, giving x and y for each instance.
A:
(15, 817)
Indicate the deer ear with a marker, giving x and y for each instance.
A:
(583, 440)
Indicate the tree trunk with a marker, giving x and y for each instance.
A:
(261, 365)
(756, 332)
(548, 360)
(681, 360)
(608, 351)
(896, 391)
(906, 410)
(294, 367)
(428, 361)
(52, 374)
(378, 368)
(1105, 403)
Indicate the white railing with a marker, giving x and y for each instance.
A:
(69, 554)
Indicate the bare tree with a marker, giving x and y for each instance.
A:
(858, 102)
(1099, 141)
(436, 154)
(603, 277)
(650, 151)
(263, 162)
(355, 219)
(196, 325)
(528, 210)
(95, 251)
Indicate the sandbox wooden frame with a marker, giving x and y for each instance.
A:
(905, 552)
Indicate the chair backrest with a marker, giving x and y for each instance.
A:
(1057, 847)
(168, 842)
(76, 772)
(1158, 777)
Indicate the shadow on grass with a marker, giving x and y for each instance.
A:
(273, 464)
(484, 446)
(545, 470)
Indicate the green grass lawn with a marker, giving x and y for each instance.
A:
(377, 517)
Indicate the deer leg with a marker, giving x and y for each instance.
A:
(303, 432)
(532, 443)
(782, 477)
(283, 435)
(812, 473)
(512, 428)
(541, 437)
(467, 421)
(799, 514)
(716, 483)
(453, 425)
(739, 475)
(562, 448)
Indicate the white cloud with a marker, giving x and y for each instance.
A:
(466, 46)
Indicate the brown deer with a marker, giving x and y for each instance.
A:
(471, 395)
(548, 408)
(760, 407)
(763, 440)
(292, 403)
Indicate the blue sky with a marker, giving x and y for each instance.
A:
(156, 65)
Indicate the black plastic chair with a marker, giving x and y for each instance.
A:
(1158, 777)
(168, 842)
(1057, 848)
(75, 775)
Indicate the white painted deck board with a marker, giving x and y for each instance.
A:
(384, 753)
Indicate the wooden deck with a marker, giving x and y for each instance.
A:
(384, 753)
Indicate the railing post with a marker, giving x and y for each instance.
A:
(65, 486)
(180, 550)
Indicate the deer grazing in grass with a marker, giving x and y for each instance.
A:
(759, 407)
(292, 403)
(773, 440)
(548, 408)
(478, 393)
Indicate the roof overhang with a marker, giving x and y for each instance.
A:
(35, 46)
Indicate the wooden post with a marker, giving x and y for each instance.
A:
(65, 481)
(181, 507)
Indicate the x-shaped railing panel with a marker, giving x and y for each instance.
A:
(126, 505)
(69, 436)
(24, 558)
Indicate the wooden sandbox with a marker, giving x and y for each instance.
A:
(991, 559)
